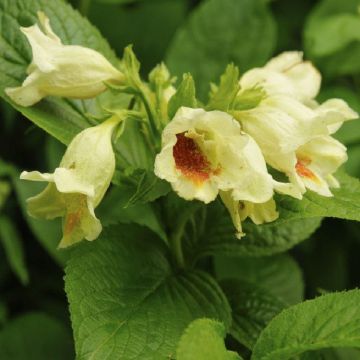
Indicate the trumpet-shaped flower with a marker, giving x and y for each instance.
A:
(61, 70)
(289, 134)
(259, 213)
(286, 74)
(316, 162)
(78, 185)
(204, 152)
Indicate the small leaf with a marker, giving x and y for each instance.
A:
(331, 320)
(203, 340)
(112, 210)
(13, 246)
(142, 186)
(185, 96)
(224, 95)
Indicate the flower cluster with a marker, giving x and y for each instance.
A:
(204, 153)
(209, 153)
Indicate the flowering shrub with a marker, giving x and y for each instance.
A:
(177, 194)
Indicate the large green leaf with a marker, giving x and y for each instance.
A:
(332, 36)
(203, 340)
(297, 221)
(329, 321)
(252, 308)
(279, 275)
(35, 336)
(60, 117)
(219, 32)
(217, 235)
(127, 302)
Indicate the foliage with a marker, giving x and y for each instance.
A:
(167, 278)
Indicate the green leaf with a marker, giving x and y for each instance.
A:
(10, 239)
(252, 308)
(113, 210)
(345, 204)
(5, 190)
(61, 118)
(203, 340)
(185, 96)
(332, 354)
(332, 36)
(297, 221)
(218, 235)
(219, 32)
(127, 302)
(35, 336)
(222, 98)
(328, 321)
(132, 150)
(279, 275)
(143, 186)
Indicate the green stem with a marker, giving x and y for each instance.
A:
(84, 6)
(176, 245)
(177, 235)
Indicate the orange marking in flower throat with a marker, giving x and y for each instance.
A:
(190, 160)
(73, 219)
(71, 222)
(304, 171)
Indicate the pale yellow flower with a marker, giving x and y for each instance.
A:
(61, 70)
(286, 74)
(78, 185)
(259, 213)
(204, 152)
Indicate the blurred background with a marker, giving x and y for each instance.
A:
(186, 38)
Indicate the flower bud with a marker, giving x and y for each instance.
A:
(61, 70)
(78, 185)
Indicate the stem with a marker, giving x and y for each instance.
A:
(154, 129)
(84, 6)
(176, 245)
(177, 236)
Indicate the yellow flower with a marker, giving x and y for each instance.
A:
(286, 74)
(204, 152)
(61, 70)
(78, 185)
(290, 127)
(259, 213)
